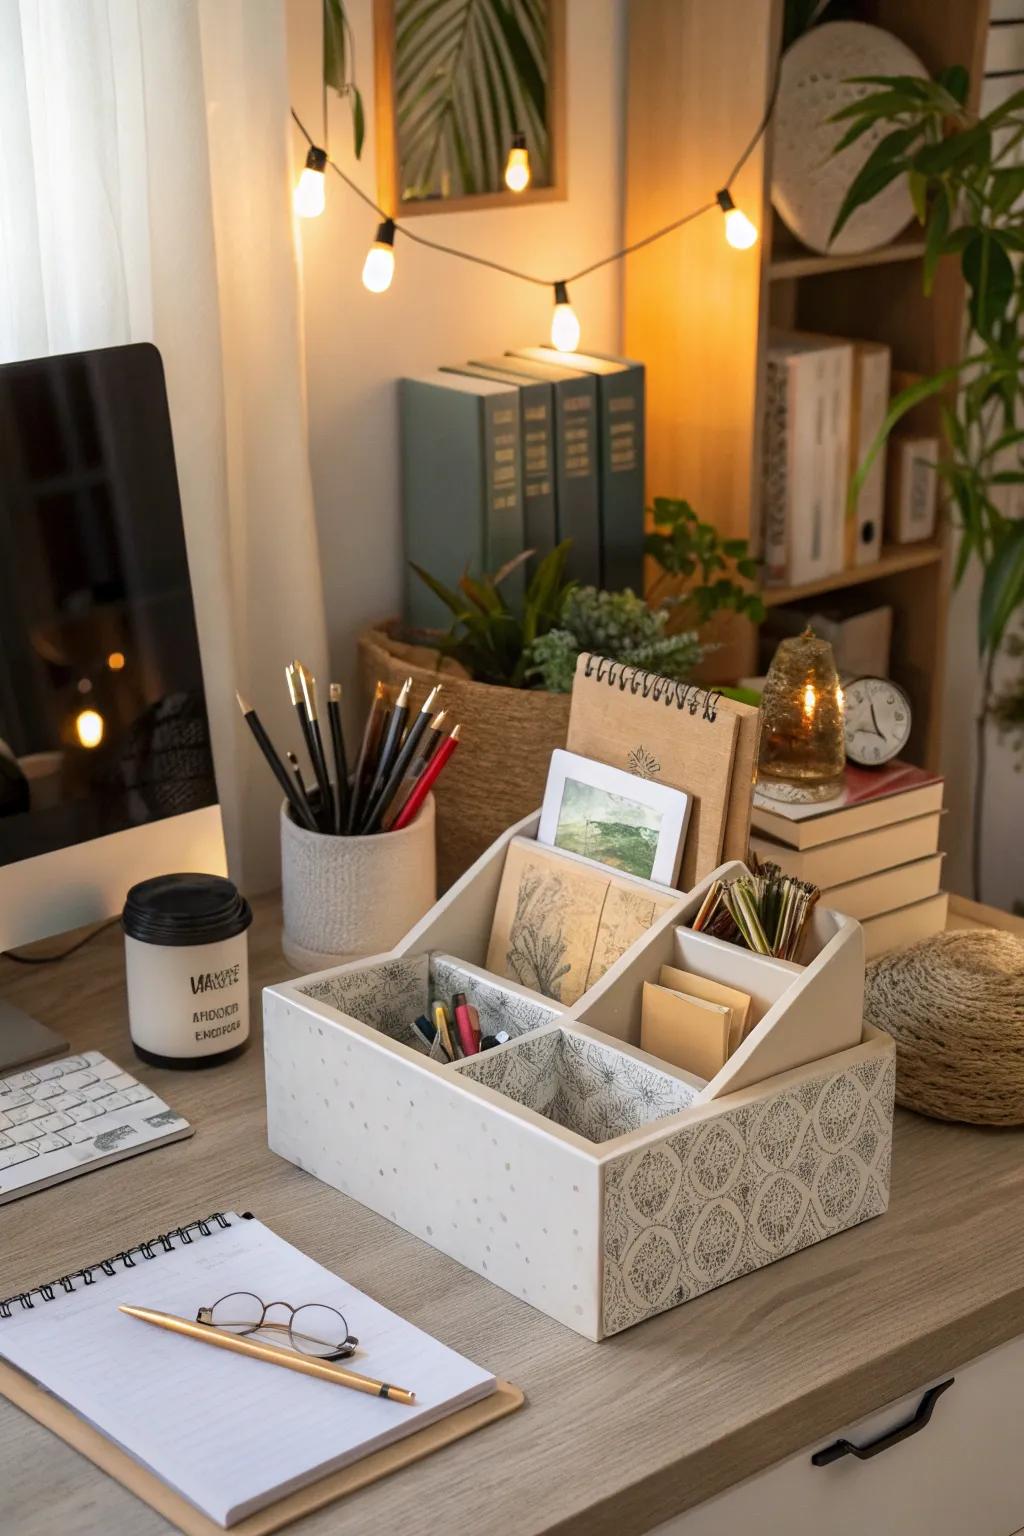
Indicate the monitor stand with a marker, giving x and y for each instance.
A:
(23, 1039)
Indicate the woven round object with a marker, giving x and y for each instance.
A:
(954, 1004)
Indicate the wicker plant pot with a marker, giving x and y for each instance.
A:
(508, 734)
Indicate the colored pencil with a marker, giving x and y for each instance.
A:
(432, 739)
(426, 781)
(389, 749)
(406, 753)
(366, 763)
(340, 758)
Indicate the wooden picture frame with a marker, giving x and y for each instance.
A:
(554, 186)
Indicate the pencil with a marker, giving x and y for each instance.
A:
(428, 746)
(291, 1360)
(301, 814)
(426, 780)
(389, 748)
(300, 784)
(367, 760)
(405, 756)
(291, 673)
(340, 759)
(307, 682)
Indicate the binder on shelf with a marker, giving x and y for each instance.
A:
(620, 430)
(537, 453)
(576, 459)
(872, 366)
(461, 485)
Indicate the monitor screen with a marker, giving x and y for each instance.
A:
(103, 722)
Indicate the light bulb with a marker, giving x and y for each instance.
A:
(89, 727)
(740, 233)
(379, 266)
(309, 196)
(565, 327)
(517, 166)
(115, 661)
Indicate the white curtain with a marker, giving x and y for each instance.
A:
(144, 196)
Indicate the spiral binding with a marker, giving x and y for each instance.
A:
(162, 1243)
(662, 690)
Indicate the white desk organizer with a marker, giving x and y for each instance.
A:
(582, 1175)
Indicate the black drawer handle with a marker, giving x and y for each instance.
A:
(840, 1448)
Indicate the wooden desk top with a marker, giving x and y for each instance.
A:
(616, 1436)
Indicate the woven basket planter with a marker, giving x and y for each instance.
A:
(954, 1004)
(508, 734)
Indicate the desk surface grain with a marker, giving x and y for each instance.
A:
(615, 1437)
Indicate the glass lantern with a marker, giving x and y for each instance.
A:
(802, 756)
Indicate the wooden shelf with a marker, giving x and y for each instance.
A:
(895, 558)
(791, 259)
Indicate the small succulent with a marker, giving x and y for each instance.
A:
(615, 624)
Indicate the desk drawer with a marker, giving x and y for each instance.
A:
(962, 1474)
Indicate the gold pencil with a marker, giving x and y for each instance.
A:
(291, 1360)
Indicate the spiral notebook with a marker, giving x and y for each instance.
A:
(226, 1435)
(680, 734)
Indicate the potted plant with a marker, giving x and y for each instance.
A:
(967, 193)
(507, 674)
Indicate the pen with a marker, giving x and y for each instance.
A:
(426, 779)
(307, 1365)
(302, 814)
(401, 763)
(470, 1044)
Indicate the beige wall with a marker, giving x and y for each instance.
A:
(438, 310)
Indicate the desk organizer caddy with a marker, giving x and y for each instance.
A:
(567, 1166)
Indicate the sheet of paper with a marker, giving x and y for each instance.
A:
(229, 1433)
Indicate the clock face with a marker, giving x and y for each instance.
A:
(877, 721)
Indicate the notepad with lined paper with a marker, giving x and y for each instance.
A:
(228, 1433)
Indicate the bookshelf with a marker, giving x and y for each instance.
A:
(697, 313)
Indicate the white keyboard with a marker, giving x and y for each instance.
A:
(69, 1116)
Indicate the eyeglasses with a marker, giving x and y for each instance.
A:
(311, 1329)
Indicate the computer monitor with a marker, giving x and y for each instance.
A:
(106, 772)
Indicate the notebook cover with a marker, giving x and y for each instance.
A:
(679, 735)
(105, 1454)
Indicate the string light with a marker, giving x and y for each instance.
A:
(739, 231)
(89, 727)
(517, 166)
(565, 326)
(379, 266)
(308, 200)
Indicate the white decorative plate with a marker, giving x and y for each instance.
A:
(808, 182)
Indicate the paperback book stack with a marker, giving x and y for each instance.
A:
(521, 451)
(873, 852)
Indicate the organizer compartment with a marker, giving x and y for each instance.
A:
(387, 994)
(568, 1166)
(582, 1085)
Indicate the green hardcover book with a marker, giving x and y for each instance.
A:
(462, 505)
(620, 432)
(576, 477)
(537, 453)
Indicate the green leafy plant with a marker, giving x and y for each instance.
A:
(691, 551)
(967, 194)
(340, 66)
(468, 75)
(537, 646)
(615, 624)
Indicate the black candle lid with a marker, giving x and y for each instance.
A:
(185, 909)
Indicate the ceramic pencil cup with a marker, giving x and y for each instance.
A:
(345, 897)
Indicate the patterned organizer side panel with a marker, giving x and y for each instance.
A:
(387, 996)
(751, 1185)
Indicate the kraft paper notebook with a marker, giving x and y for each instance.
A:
(214, 1440)
(680, 734)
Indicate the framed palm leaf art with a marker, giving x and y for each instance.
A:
(457, 82)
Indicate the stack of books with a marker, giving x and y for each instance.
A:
(873, 852)
(519, 452)
(825, 400)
